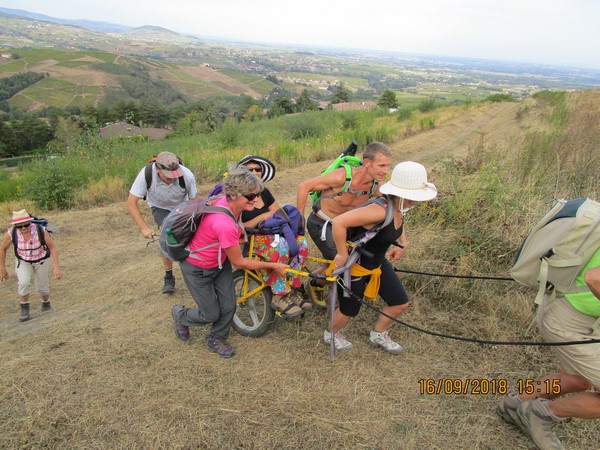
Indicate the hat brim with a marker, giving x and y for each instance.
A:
(268, 168)
(427, 192)
(172, 173)
(21, 220)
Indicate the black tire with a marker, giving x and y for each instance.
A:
(253, 317)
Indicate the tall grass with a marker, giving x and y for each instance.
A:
(557, 153)
(489, 199)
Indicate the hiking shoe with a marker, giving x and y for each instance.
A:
(316, 294)
(341, 343)
(539, 422)
(24, 312)
(286, 306)
(169, 287)
(181, 331)
(384, 341)
(219, 346)
(507, 410)
(299, 299)
(46, 306)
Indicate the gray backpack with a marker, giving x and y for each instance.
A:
(181, 224)
(558, 247)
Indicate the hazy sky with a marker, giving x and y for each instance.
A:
(562, 32)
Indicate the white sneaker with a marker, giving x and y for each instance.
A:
(341, 343)
(384, 341)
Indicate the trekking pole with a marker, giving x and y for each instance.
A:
(154, 239)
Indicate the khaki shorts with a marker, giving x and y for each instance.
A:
(558, 322)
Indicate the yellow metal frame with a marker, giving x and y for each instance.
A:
(255, 274)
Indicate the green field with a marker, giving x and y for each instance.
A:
(258, 83)
(53, 92)
(350, 82)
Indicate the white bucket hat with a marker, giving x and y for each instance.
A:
(409, 181)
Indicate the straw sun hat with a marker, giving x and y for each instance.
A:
(20, 217)
(409, 181)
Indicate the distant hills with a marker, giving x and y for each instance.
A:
(83, 23)
(90, 62)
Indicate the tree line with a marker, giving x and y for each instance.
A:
(152, 103)
(11, 85)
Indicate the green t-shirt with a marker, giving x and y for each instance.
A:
(586, 302)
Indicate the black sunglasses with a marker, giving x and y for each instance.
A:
(23, 225)
(254, 168)
(251, 197)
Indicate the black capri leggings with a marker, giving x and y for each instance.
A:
(391, 291)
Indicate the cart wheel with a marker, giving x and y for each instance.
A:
(254, 316)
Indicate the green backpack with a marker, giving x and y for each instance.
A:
(558, 247)
(347, 160)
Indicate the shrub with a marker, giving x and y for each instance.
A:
(303, 126)
(229, 134)
(350, 120)
(427, 104)
(52, 184)
(9, 189)
(404, 114)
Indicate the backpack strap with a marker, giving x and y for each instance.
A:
(291, 239)
(41, 238)
(215, 209)
(385, 202)
(148, 174)
(346, 187)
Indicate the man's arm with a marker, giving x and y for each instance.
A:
(190, 181)
(331, 180)
(592, 279)
(134, 210)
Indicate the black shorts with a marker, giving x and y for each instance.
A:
(314, 225)
(391, 291)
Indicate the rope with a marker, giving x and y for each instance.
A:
(460, 338)
(474, 277)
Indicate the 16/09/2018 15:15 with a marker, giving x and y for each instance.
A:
(485, 386)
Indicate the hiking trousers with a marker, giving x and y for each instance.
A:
(39, 271)
(214, 293)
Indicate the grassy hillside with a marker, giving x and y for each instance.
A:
(105, 370)
(88, 77)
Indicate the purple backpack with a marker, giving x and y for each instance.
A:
(288, 222)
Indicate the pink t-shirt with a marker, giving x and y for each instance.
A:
(214, 228)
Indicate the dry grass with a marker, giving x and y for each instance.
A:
(104, 370)
(102, 192)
